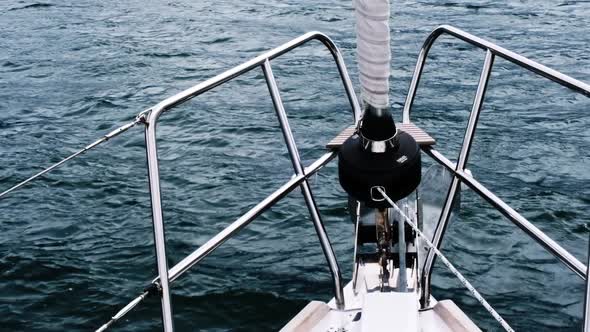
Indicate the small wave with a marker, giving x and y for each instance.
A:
(168, 55)
(10, 64)
(12, 67)
(218, 40)
(567, 3)
(34, 5)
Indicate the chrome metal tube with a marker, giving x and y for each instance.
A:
(207, 248)
(179, 98)
(414, 82)
(553, 75)
(536, 234)
(482, 87)
(282, 117)
(158, 222)
(402, 282)
(448, 264)
(349, 88)
(356, 262)
(462, 162)
(515, 58)
(230, 74)
(305, 188)
(326, 245)
(587, 296)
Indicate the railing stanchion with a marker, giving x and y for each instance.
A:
(157, 219)
(516, 218)
(535, 67)
(587, 295)
(462, 162)
(457, 170)
(183, 96)
(305, 188)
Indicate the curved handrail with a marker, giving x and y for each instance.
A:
(215, 81)
(458, 170)
(262, 61)
(515, 58)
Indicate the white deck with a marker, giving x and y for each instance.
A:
(374, 311)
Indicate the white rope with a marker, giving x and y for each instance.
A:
(446, 262)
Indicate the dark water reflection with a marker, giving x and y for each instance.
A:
(77, 244)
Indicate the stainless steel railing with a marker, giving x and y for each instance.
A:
(300, 179)
(458, 170)
(263, 61)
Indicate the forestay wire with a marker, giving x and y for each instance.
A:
(450, 266)
(140, 118)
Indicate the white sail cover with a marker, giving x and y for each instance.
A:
(373, 50)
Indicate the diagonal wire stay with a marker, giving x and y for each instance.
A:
(124, 311)
(450, 266)
(140, 118)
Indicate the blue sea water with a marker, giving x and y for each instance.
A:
(77, 245)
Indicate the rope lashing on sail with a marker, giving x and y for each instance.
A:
(140, 118)
(450, 266)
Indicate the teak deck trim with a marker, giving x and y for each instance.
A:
(421, 137)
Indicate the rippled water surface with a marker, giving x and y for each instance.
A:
(77, 245)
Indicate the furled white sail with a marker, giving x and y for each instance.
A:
(373, 50)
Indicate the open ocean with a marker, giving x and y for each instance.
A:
(77, 245)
